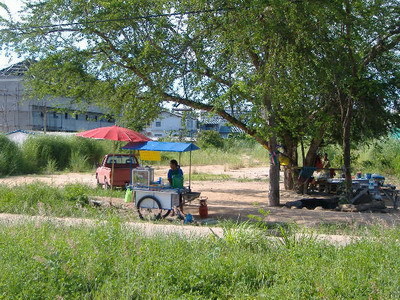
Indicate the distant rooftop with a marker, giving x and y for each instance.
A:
(17, 69)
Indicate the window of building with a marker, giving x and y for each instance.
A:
(87, 117)
(95, 118)
(66, 116)
(158, 135)
(55, 115)
(158, 124)
(76, 117)
(41, 114)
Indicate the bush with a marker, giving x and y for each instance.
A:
(85, 153)
(56, 153)
(210, 139)
(40, 150)
(11, 160)
(377, 156)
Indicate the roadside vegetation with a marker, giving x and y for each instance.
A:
(380, 156)
(110, 262)
(49, 154)
(46, 200)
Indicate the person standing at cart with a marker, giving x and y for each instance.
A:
(175, 171)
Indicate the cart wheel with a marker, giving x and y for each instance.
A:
(149, 208)
(165, 213)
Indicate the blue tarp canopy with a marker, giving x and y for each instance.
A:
(161, 146)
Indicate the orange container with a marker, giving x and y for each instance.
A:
(203, 209)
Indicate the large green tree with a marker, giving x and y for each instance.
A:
(272, 68)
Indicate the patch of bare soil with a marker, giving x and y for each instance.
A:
(236, 199)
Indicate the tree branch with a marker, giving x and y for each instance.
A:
(168, 97)
(383, 44)
(210, 108)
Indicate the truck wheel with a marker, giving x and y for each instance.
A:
(106, 185)
(149, 208)
(99, 185)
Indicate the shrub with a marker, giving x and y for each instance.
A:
(40, 150)
(210, 138)
(85, 152)
(11, 160)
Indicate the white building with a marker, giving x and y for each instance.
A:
(172, 124)
(58, 114)
(20, 136)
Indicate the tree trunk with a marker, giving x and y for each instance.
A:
(288, 179)
(313, 149)
(273, 197)
(346, 121)
(312, 152)
(290, 151)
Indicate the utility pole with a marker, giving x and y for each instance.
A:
(44, 119)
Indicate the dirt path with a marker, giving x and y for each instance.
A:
(236, 199)
(150, 229)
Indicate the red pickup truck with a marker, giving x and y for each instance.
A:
(115, 170)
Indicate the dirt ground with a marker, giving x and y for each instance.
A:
(236, 198)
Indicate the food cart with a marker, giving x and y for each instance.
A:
(155, 199)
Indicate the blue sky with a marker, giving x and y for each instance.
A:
(14, 6)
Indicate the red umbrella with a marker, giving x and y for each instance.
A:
(114, 133)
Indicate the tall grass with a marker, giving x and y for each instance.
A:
(43, 199)
(55, 153)
(377, 156)
(110, 262)
(87, 152)
(235, 154)
(11, 159)
(39, 150)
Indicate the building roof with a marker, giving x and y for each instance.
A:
(218, 120)
(17, 69)
(20, 131)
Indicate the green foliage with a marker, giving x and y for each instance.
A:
(376, 156)
(43, 199)
(48, 154)
(210, 138)
(11, 160)
(88, 151)
(45, 151)
(381, 156)
(110, 262)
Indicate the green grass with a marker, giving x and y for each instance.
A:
(11, 160)
(43, 199)
(109, 262)
(206, 176)
(235, 156)
(376, 156)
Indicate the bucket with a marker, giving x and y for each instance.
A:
(203, 208)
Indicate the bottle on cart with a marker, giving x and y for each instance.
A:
(371, 184)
